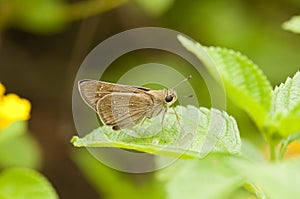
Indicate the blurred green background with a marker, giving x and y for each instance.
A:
(43, 42)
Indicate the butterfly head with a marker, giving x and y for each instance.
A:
(170, 97)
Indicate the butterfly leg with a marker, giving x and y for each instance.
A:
(177, 117)
(163, 124)
(143, 120)
(178, 120)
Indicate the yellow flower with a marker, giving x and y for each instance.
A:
(2, 90)
(12, 108)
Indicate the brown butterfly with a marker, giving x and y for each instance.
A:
(122, 106)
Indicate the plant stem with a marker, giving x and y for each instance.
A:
(273, 155)
(255, 189)
(283, 149)
(273, 142)
(286, 142)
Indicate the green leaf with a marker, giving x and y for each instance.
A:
(284, 115)
(219, 176)
(251, 152)
(209, 178)
(286, 97)
(291, 123)
(155, 7)
(15, 129)
(107, 180)
(21, 183)
(20, 151)
(292, 25)
(244, 82)
(280, 180)
(200, 131)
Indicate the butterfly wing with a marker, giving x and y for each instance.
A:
(92, 91)
(124, 109)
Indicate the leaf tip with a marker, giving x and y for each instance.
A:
(184, 41)
(74, 140)
(180, 37)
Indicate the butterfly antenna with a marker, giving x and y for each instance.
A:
(185, 79)
(188, 96)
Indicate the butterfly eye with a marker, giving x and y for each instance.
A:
(169, 98)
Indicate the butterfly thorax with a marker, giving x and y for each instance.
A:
(162, 99)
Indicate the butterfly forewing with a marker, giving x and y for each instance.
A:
(87, 90)
(92, 90)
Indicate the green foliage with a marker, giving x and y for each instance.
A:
(155, 7)
(292, 25)
(41, 16)
(216, 176)
(193, 138)
(245, 83)
(222, 174)
(20, 151)
(84, 9)
(51, 16)
(15, 129)
(220, 180)
(114, 184)
(285, 109)
(21, 183)
(275, 180)
(17, 148)
(275, 113)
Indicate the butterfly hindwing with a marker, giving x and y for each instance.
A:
(124, 109)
